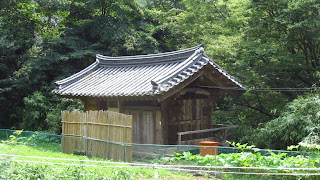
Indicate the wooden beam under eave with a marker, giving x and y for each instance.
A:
(223, 92)
(180, 86)
(221, 81)
(120, 98)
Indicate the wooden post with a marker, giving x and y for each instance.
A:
(179, 139)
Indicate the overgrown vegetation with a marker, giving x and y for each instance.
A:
(298, 122)
(264, 43)
(39, 156)
(49, 163)
(252, 159)
(247, 159)
(25, 170)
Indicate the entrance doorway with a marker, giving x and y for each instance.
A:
(143, 125)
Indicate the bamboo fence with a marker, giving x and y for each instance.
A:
(103, 134)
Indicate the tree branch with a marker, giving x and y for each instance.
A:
(301, 79)
(260, 104)
(255, 108)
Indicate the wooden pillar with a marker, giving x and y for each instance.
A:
(210, 113)
(164, 121)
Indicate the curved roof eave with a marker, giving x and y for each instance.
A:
(148, 75)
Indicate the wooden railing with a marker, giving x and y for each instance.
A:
(203, 131)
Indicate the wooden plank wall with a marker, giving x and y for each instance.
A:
(102, 134)
(188, 114)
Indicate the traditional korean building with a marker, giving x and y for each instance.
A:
(166, 93)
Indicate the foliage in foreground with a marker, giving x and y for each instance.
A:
(15, 170)
(56, 165)
(251, 159)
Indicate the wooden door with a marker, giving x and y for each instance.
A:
(143, 126)
(147, 130)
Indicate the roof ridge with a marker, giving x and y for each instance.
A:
(159, 80)
(149, 59)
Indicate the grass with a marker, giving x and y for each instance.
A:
(53, 170)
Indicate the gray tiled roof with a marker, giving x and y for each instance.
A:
(143, 75)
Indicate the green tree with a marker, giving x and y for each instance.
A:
(266, 44)
(299, 121)
(281, 43)
(64, 38)
(277, 51)
(164, 5)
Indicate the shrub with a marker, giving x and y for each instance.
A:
(43, 112)
(300, 121)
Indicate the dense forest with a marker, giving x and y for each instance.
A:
(272, 46)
